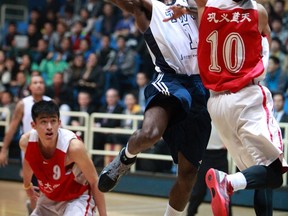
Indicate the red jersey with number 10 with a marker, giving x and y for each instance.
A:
(58, 181)
(230, 45)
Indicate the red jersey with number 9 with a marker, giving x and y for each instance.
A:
(58, 181)
(230, 45)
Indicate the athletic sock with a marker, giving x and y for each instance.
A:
(170, 211)
(126, 157)
(128, 154)
(237, 180)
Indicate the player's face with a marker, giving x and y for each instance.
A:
(47, 127)
(37, 86)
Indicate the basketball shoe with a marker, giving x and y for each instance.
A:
(221, 190)
(111, 174)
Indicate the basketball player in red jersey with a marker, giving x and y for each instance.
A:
(66, 176)
(233, 53)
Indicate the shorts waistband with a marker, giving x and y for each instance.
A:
(215, 93)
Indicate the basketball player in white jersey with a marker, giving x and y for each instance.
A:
(176, 100)
(233, 55)
(22, 114)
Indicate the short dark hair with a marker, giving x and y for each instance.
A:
(45, 107)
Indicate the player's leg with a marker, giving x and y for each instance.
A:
(198, 192)
(181, 190)
(154, 124)
(263, 202)
(84, 205)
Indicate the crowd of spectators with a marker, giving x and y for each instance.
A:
(90, 46)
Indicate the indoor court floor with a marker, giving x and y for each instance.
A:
(13, 197)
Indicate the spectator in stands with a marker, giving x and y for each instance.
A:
(6, 100)
(123, 74)
(94, 7)
(52, 64)
(19, 87)
(5, 75)
(142, 81)
(108, 19)
(8, 41)
(279, 8)
(34, 35)
(276, 80)
(26, 65)
(77, 35)
(125, 26)
(106, 53)
(92, 79)
(47, 32)
(87, 20)
(112, 105)
(270, 11)
(40, 52)
(85, 49)
(84, 104)
(279, 112)
(277, 49)
(278, 30)
(11, 66)
(68, 16)
(57, 36)
(66, 49)
(73, 73)
(61, 94)
(36, 19)
(115, 142)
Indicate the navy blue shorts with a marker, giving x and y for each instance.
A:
(189, 128)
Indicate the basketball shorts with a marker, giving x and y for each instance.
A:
(189, 128)
(83, 205)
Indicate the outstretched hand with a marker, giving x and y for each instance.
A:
(178, 11)
(3, 158)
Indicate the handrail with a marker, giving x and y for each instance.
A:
(90, 127)
(83, 128)
(5, 16)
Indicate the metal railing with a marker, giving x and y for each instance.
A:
(13, 12)
(90, 127)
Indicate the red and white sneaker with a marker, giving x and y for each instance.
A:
(221, 190)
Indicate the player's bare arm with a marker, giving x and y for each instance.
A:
(27, 183)
(23, 142)
(263, 25)
(141, 10)
(15, 122)
(77, 153)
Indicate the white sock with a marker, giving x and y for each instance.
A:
(128, 154)
(170, 211)
(238, 181)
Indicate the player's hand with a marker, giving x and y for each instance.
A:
(3, 158)
(33, 193)
(178, 11)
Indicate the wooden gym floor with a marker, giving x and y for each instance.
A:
(13, 197)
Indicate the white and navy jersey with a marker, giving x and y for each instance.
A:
(172, 45)
(27, 117)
